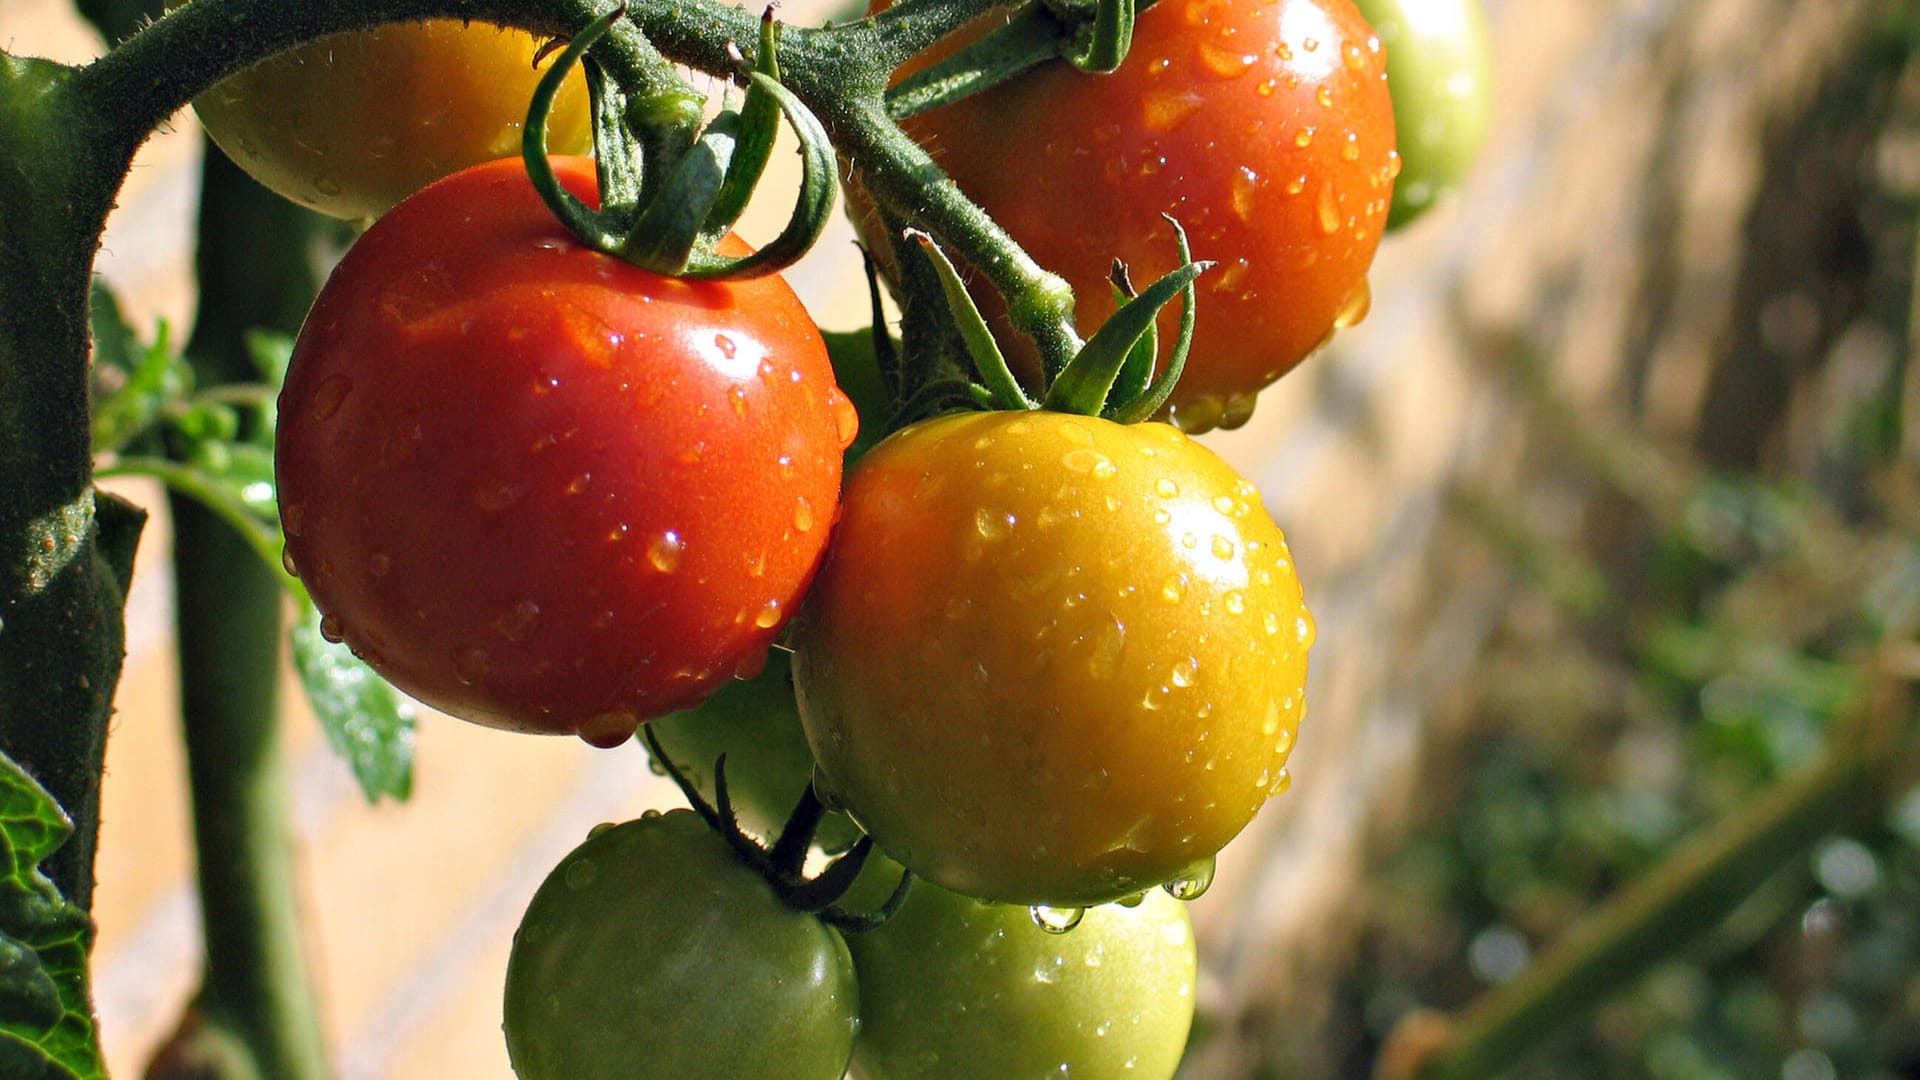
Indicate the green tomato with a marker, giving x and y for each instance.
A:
(652, 951)
(953, 987)
(756, 724)
(1439, 72)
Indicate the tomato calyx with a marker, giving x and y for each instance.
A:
(673, 227)
(783, 864)
(1111, 376)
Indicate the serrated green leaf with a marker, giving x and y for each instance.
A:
(46, 1021)
(367, 721)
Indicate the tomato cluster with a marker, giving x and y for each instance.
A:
(1043, 661)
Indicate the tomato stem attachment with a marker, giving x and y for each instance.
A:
(783, 865)
(668, 216)
(1087, 382)
(988, 360)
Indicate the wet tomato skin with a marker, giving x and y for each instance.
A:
(542, 489)
(651, 952)
(352, 123)
(1051, 659)
(1263, 126)
(954, 989)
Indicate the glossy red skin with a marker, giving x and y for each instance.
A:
(540, 488)
(1203, 121)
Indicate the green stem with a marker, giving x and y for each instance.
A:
(1685, 896)
(255, 270)
(62, 598)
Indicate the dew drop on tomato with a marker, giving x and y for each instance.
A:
(1056, 920)
(1193, 883)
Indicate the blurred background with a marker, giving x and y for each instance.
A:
(1610, 517)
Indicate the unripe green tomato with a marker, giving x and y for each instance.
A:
(652, 951)
(352, 123)
(756, 724)
(956, 989)
(1439, 72)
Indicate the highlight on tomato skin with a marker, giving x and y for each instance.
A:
(542, 489)
(1051, 659)
(1264, 127)
(350, 124)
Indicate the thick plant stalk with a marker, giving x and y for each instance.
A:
(255, 270)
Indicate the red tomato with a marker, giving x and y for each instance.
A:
(1263, 126)
(542, 489)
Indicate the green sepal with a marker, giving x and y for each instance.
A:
(1148, 403)
(46, 1019)
(1111, 39)
(1085, 384)
(758, 127)
(591, 227)
(366, 720)
(1137, 372)
(988, 361)
(812, 208)
(668, 232)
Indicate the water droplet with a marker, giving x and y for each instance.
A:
(1357, 305)
(665, 551)
(1109, 642)
(1093, 462)
(1235, 602)
(514, 624)
(846, 418)
(1310, 44)
(1355, 60)
(1193, 882)
(726, 346)
(769, 615)
(1282, 782)
(1225, 59)
(607, 826)
(1132, 900)
(1174, 589)
(1264, 88)
(1329, 208)
(1222, 548)
(737, 397)
(580, 874)
(1198, 415)
(1184, 672)
(1166, 488)
(802, 514)
(579, 483)
(331, 629)
(1303, 631)
(1056, 920)
(326, 185)
(330, 395)
(992, 524)
(958, 606)
(545, 383)
(1303, 138)
(286, 562)
(1350, 150)
(494, 498)
(609, 729)
(1245, 184)
(1168, 109)
(1283, 743)
(472, 664)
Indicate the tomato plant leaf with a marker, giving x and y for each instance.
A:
(133, 383)
(46, 1022)
(271, 351)
(366, 720)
